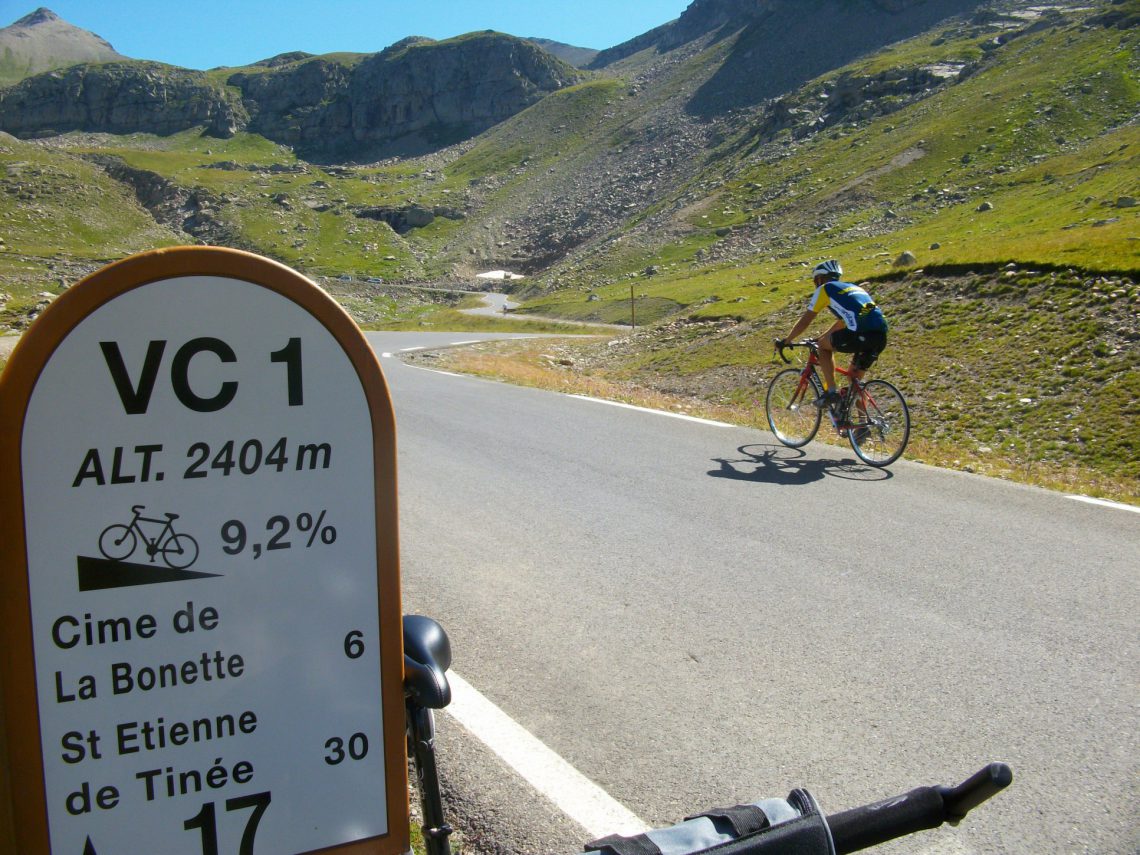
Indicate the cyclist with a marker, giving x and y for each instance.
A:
(861, 329)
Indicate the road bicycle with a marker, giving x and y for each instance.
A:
(792, 826)
(118, 542)
(873, 415)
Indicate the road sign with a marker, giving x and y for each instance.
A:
(200, 595)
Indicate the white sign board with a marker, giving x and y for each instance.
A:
(211, 566)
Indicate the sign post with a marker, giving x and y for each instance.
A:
(200, 595)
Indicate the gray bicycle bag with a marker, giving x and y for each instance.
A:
(792, 826)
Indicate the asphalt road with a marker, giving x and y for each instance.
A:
(692, 615)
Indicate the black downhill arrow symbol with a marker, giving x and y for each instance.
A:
(97, 574)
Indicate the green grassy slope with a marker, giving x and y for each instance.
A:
(1044, 132)
(60, 218)
(277, 204)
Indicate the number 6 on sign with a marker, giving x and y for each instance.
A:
(354, 644)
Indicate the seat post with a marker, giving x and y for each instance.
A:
(421, 735)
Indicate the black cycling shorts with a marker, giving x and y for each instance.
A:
(866, 345)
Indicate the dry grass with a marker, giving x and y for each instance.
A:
(542, 364)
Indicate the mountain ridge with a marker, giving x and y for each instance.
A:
(414, 95)
(322, 113)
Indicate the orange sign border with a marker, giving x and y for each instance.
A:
(23, 807)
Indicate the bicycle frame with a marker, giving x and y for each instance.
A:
(861, 396)
(152, 544)
(421, 743)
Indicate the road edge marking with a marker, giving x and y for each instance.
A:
(1104, 503)
(440, 371)
(654, 412)
(572, 792)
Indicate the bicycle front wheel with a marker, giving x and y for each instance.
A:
(117, 542)
(180, 551)
(879, 437)
(790, 406)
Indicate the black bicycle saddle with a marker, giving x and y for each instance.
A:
(427, 656)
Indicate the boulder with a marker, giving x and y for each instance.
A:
(402, 220)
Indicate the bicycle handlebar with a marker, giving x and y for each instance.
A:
(781, 346)
(920, 809)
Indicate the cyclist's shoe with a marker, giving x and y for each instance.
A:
(830, 398)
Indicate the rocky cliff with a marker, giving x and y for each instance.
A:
(579, 57)
(415, 96)
(118, 98)
(451, 90)
(789, 42)
(780, 44)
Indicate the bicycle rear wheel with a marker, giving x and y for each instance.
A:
(117, 542)
(879, 437)
(790, 406)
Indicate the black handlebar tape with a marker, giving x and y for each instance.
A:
(986, 782)
(870, 825)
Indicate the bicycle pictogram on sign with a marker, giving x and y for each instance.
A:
(119, 541)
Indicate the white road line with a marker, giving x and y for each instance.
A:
(655, 412)
(412, 349)
(469, 341)
(386, 356)
(1106, 504)
(587, 398)
(574, 794)
(438, 371)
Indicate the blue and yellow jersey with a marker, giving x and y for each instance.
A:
(851, 304)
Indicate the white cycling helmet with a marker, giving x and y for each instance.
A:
(831, 269)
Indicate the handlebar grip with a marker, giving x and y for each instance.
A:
(918, 810)
(870, 825)
(983, 784)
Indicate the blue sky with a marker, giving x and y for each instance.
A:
(207, 33)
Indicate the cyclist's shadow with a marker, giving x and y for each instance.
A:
(778, 464)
